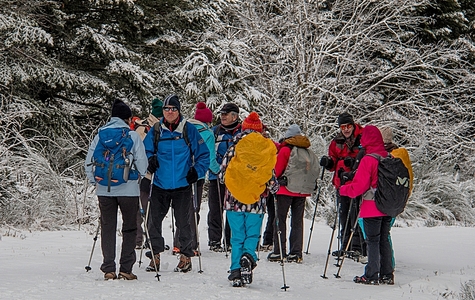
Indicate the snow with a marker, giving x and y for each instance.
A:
(431, 263)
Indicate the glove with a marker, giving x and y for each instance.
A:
(282, 180)
(345, 176)
(192, 176)
(349, 161)
(152, 164)
(326, 162)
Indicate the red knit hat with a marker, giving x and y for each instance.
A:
(203, 113)
(252, 122)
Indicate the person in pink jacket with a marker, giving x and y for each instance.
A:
(376, 225)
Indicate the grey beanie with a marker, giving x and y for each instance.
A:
(293, 130)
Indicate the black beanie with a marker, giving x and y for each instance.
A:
(121, 110)
(172, 100)
(345, 118)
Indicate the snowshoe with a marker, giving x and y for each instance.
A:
(387, 279)
(127, 276)
(246, 269)
(184, 265)
(294, 258)
(238, 282)
(364, 280)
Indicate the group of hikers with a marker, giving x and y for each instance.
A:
(144, 167)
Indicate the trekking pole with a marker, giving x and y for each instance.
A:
(344, 235)
(195, 207)
(223, 224)
(145, 220)
(337, 275)
(147, 234)
(330, 245)
(88, 267)
(285, 287)
(315, 211)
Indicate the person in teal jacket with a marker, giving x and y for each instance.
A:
(178, 158)
(202, 120)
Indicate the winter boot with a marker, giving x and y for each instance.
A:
(364, 280)
(238, 282)
(338, 253)
(295, 258)
(176, 251)
(110, 275)
(184, 265)
(387, 279)
(151, 266)
(235, 274)
(246, 268)
(265, 248)
(274, 257)
(127, 276)
(215, 246)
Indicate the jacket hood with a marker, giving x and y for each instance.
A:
(298, 140)
(372, 140)
(115, 122)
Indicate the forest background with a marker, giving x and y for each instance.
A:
(407, 64)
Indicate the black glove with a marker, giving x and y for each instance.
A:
(326, 162)
(282, 180)
(345, 176)
(192, 176)
(349, 161)
(152, 164)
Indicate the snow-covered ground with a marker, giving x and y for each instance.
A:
(432, 263)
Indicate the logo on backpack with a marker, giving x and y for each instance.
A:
(403, 181)
(250, 168)
(302, 171)
(112, 158)
(392, 190)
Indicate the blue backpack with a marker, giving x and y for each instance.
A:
(112, 159)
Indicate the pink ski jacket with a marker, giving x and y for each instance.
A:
(366, 176)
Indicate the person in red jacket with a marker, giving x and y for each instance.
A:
(376, 224)
(341, 158)
(286, 199)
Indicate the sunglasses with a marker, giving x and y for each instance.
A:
(173, 108)
(346, 126)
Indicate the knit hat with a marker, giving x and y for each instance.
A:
(157, 108)
(387, 134)
(172, 100)
(228, 107)
(293, 130)
(345, 118)
(252, 122)
(121, 110)
(203, 113)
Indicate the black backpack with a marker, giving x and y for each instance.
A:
(392, 190)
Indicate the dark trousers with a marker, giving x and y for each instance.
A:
(268, 238)
(378, 247)
(199, 193)
(108, 207)
(346, 224)
(144, 194)
(297, 208)
(180, 200)
(215, 213)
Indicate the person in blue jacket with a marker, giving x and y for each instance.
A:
(177, 159)
(202, 120)
(124, 196)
